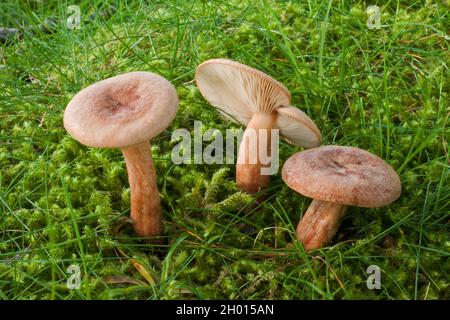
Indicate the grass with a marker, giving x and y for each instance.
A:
(61, 203)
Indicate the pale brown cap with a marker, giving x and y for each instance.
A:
(121, 111)
(239, 91)
(344, 175)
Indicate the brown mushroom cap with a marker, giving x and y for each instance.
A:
(121, 111)
(239, 91)
(343, 175)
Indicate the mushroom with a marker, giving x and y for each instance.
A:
(337, 177)
(249, 96)
(126, 111)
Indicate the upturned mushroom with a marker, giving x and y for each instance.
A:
(249, 96)
(337, 177)
(126, 112)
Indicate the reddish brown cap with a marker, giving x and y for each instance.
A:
(121, 111)
(239, 91)
(344, 175)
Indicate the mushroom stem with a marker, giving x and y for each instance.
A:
(145, 201)
(320, 223)
(248, 167)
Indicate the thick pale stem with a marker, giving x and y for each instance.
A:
(320, 223)
(145, 200)
(248, 167)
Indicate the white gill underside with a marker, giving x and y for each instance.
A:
(241, 93)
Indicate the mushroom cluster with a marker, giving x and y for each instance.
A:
(335, 177)
(128, 110)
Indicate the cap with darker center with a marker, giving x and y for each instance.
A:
(121, 111)
(123, 103)
(337, 177)
(344, 175)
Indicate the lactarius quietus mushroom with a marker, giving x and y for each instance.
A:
(126, 112)
(249, 96)
(335, 178)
